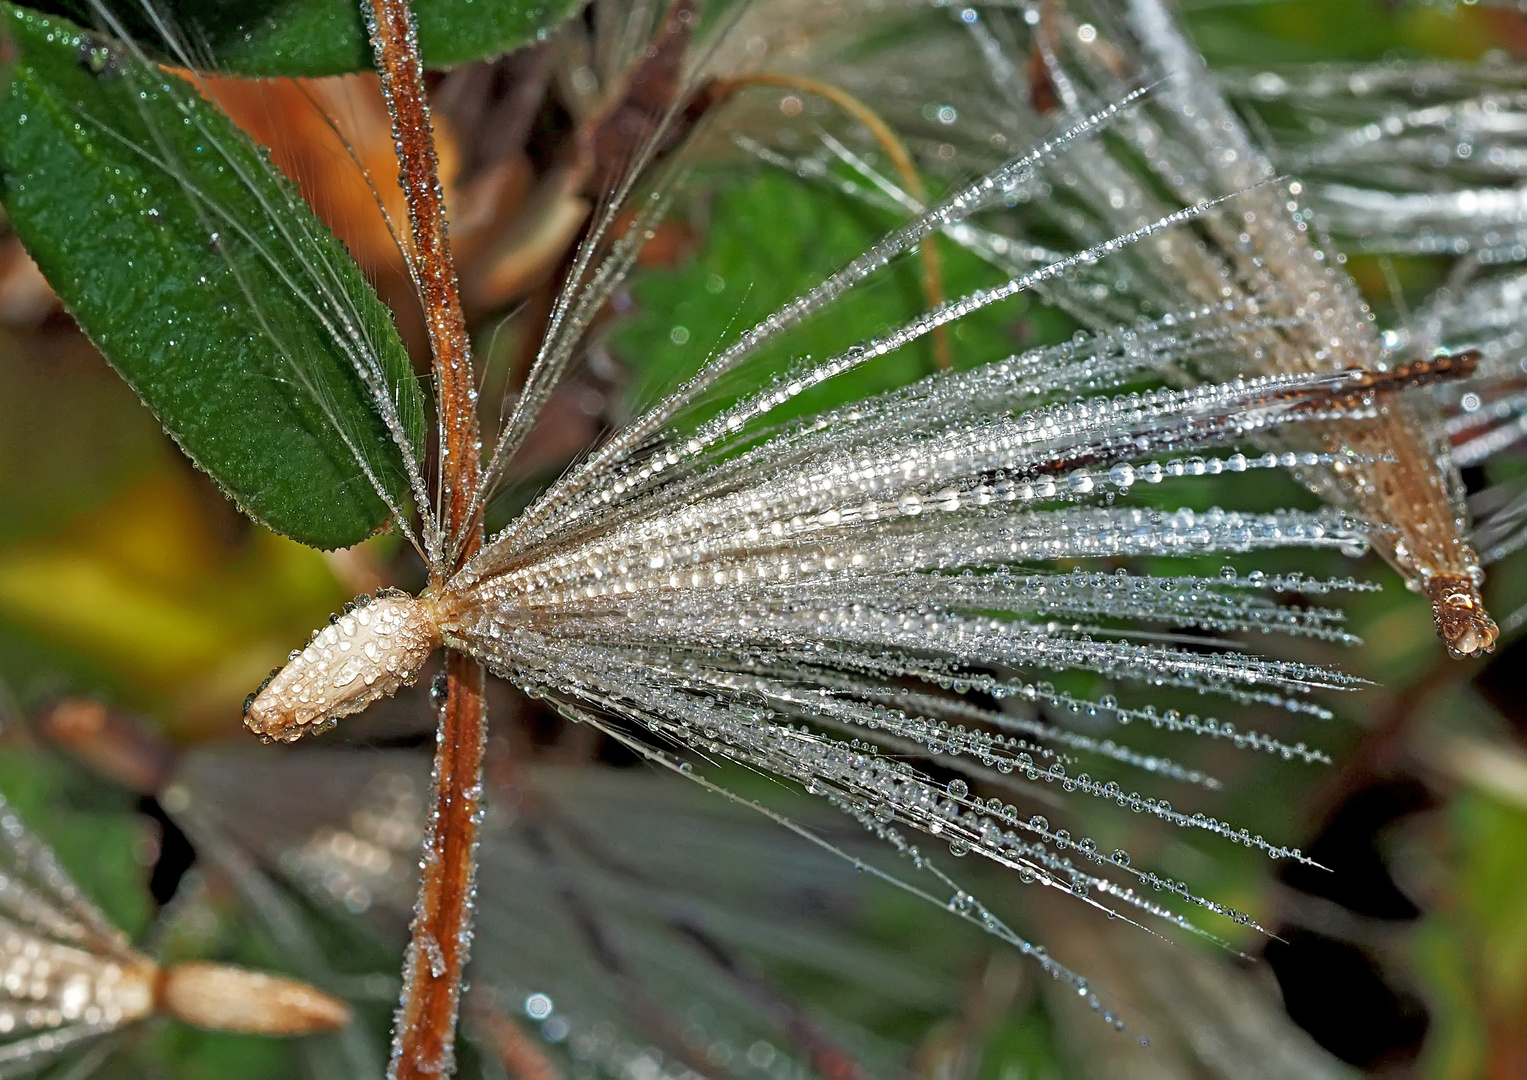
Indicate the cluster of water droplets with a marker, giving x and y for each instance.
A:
(860, 600)
(66, 973)
(837, 599)
(1427, 158)
(1409, 157)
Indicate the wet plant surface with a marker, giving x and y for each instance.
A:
(757, 591)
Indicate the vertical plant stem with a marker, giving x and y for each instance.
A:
(424, 1035)
(396, 48)
(425, 1032)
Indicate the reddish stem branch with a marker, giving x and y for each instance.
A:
(425, 1035)
(396, 48)
(424, 1038)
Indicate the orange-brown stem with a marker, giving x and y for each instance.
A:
(1360, 390)
(429, 254)
(423, 1043)
(516, 1051)
(424, 1039)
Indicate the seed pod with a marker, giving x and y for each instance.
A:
(233, 999)
(1253, 263)
(365, 654)
(68, 975)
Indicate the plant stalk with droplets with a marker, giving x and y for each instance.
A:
(425, 1030)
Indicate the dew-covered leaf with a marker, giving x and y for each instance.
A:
(328, 37)
(206, 282)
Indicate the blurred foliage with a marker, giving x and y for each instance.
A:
(1471, 947)
(767, 239)
(95, 834)
(124, 575)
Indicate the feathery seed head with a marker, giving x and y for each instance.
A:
(67, 974)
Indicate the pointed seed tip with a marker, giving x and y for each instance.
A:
(1463, 624)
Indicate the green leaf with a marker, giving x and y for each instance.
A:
(205, 280)
(328, 37)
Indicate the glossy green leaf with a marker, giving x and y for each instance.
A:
(327, 37)
(206, 281)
